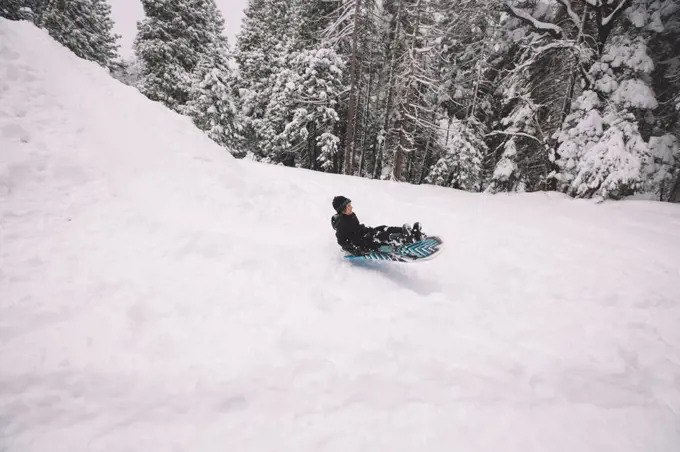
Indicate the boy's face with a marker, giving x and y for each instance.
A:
(348, 209)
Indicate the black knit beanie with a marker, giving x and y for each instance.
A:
(339, 203)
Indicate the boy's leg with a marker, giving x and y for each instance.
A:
(389, 235)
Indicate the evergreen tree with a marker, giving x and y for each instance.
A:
(261, 49)
(460, 165)
(540, 66)
(506, 175)
(85, 27)
(465, 95)
(14, 10)
(660, 19)
(305, 97)
(618, 141)
(22, 9)
(212, 102)
(602, 149)
(662, 171)
(172, 40)
(288, 83)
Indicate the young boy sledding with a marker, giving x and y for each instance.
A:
(357, 239)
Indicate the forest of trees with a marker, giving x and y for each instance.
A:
(578, 96)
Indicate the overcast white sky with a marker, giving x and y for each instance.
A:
(126, 13)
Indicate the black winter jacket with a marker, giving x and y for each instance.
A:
(353, 236)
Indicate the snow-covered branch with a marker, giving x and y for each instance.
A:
(337, 30)
(346, 33)
(424, 123)
(581, 53)
(621, 6)
(519, 134)
(570, 12)
(553, 29)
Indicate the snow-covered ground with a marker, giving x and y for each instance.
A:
(158, 295)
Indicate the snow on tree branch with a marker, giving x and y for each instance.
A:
(343, 26)
(620, 7)
(572, 15)
(519, 134)
(553, 29)
(582, 53)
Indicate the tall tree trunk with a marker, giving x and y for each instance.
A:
(357, 115)
(398, 162)
(399, 157)
(480, 61)
(377, 171)
(375, 131)
(427, 157)
(426, 161)
(352, 107)
(566, 105)
(311, 145)
(389, 99)
(364, 120)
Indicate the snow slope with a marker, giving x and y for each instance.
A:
(156, 294)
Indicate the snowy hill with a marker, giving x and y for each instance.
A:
(156, 294)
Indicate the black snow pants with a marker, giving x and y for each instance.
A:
(381, 234)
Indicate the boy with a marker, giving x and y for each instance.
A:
(355, 238)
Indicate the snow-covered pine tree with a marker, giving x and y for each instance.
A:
(662, 171)
(22, 9)
(512, 171)
(660, 21)
(212, 105)
(312, 17)
(211, 98)
(305, 96)
(85, 27)
(174, 37)
(618, 141)
(275, 51)
(15, 10)
(460, 165)
(540, 55)
(506, 175)
(516, 78)
(474, 57)
(602, 149)
(265, 40)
